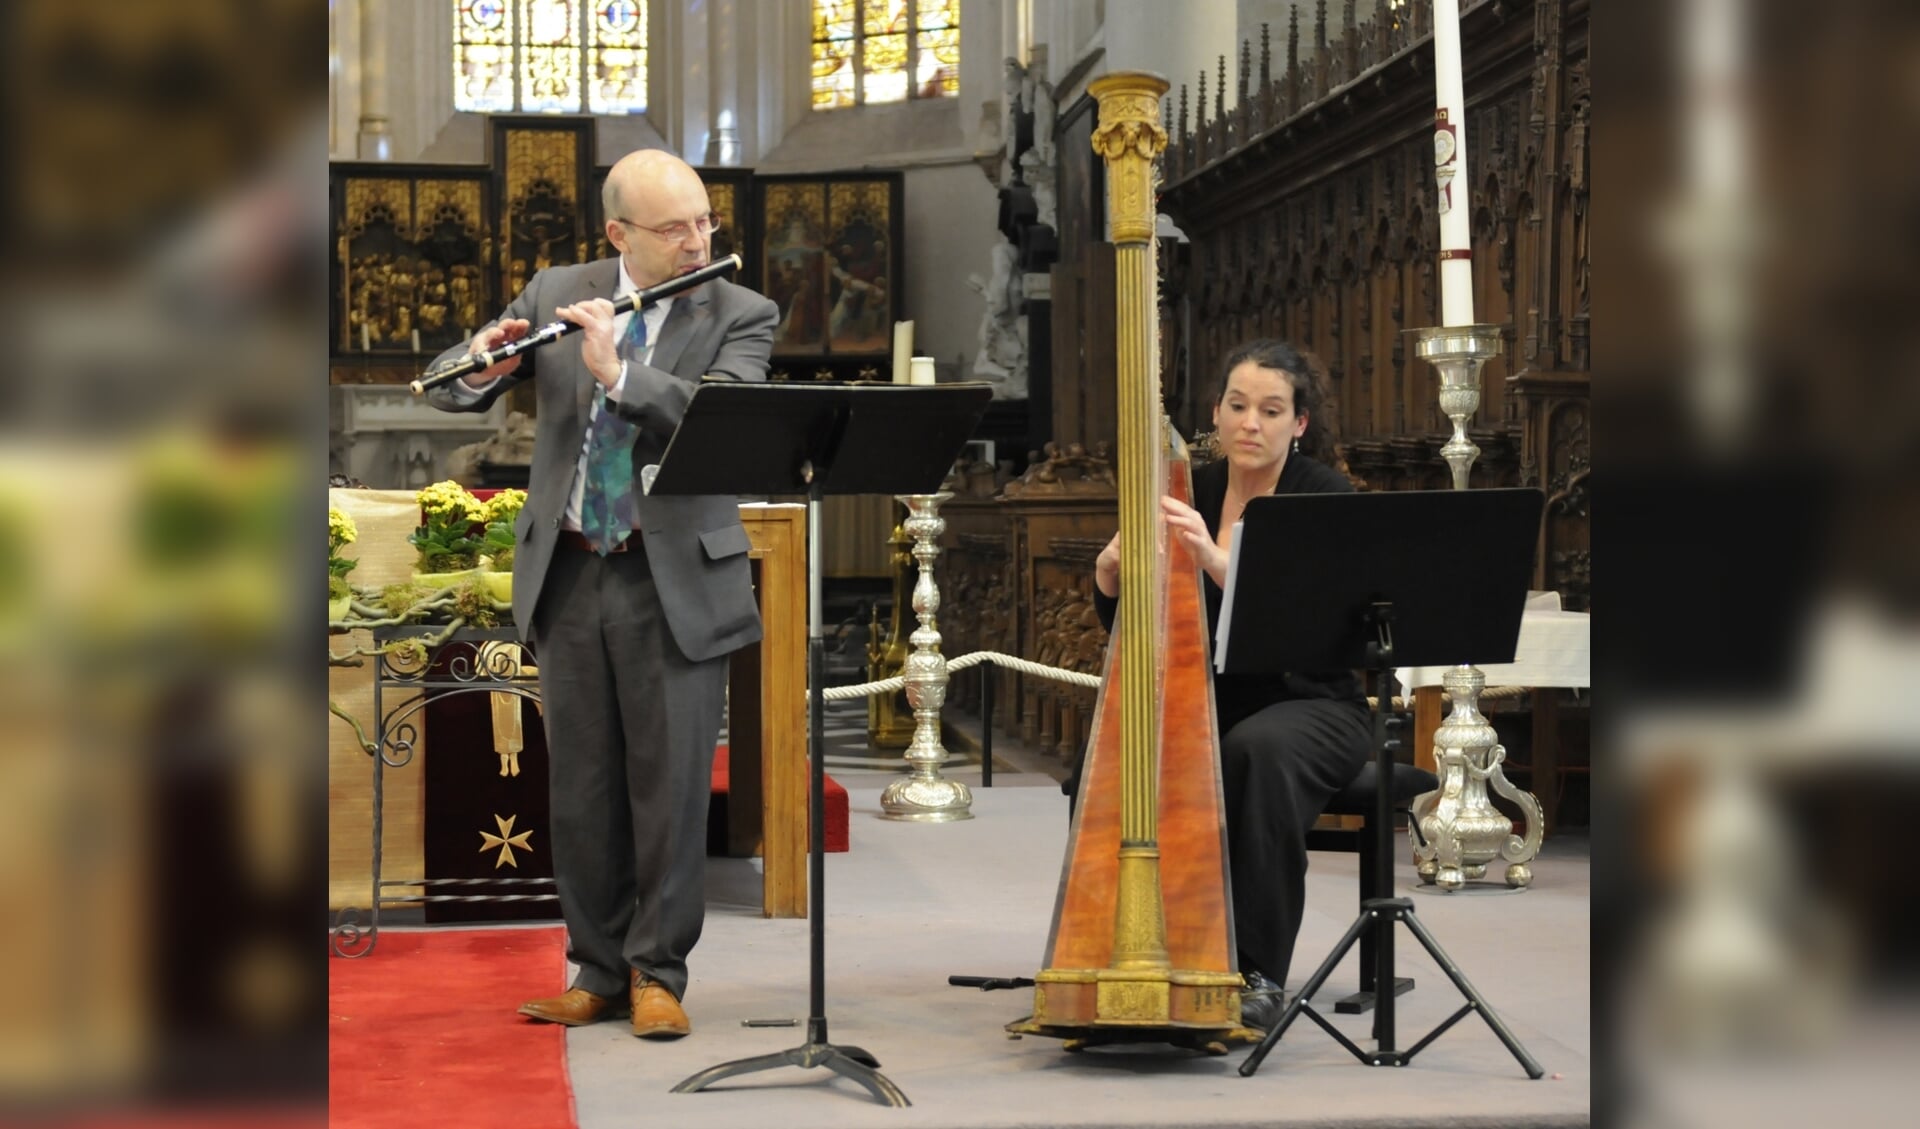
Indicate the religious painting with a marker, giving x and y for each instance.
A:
(793, 254)
(830, 257)
(860, 279)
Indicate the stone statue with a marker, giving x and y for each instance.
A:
(512, 445)
(1002, 356)
(1039, 175)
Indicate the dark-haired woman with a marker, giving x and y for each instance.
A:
(1288, 742)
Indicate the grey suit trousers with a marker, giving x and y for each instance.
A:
(631, 725)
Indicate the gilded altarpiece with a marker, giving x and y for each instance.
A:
(543, 173)
(409, 241)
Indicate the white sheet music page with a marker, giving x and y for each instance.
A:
(1226, 600)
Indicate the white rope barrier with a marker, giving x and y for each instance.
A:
(889, 685)
(1073, 677)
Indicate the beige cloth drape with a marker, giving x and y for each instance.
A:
(384, 518)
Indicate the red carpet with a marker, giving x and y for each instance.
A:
(423, 1032)
(835, 797)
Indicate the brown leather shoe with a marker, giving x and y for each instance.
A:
(576, 1007)
(656, 1014)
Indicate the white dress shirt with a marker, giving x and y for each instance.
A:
(656, 316)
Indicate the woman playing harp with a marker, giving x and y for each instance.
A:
(1289, 741)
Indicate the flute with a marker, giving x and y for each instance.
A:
(554, 331)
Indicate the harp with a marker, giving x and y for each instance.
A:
(1141, 947)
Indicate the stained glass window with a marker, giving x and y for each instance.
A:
(884, 51)
(558, 56)
(617, 57)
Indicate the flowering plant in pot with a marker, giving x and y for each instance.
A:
(500, 511)
(341, 532)
(446, 547)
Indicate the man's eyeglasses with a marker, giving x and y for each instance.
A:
(678, 233)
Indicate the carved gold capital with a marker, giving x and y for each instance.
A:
(1128, 139)
(1118, 139)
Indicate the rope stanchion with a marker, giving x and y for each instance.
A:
(1073, 677)
(897, 682)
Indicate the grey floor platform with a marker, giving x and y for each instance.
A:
(911, 903)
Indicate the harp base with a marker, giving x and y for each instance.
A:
(1185, 1007)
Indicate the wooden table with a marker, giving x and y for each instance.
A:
(767, 714)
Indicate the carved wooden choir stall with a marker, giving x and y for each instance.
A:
(1306, 215)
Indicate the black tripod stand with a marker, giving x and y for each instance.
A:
(1335, 568)
(1380, 914)
(772, 438)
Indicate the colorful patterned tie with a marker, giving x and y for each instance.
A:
(606, 505)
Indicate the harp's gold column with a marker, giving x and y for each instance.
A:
(1128, 139)
(1134, 976)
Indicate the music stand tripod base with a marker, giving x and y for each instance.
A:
(781, 439)
(851, 1062)
(1377, 607)
(1384, 913)
(1379, 915)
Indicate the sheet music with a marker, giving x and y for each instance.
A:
(1226, 599)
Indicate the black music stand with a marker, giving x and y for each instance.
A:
(1323, 582)
(817, 439)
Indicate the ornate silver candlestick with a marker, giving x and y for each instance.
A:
(1458, 352)
(1463, 830)
(925, 795)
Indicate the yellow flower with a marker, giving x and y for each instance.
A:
(447, 499)
(340, 529)
(505, 505)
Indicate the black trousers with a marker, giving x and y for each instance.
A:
(1279, 768)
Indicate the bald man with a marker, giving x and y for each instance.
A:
(631, 602)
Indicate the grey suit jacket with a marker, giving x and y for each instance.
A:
(696, 547)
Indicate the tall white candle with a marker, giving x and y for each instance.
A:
(922, 371)
(902, 350)
(366, 340)
(1450, 168)
(416, 341)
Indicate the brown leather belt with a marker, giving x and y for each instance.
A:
(578, 540)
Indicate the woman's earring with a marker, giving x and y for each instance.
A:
(1296, 444)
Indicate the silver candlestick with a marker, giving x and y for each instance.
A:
(924, 795)
(1462, 828)
(1458, 352)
